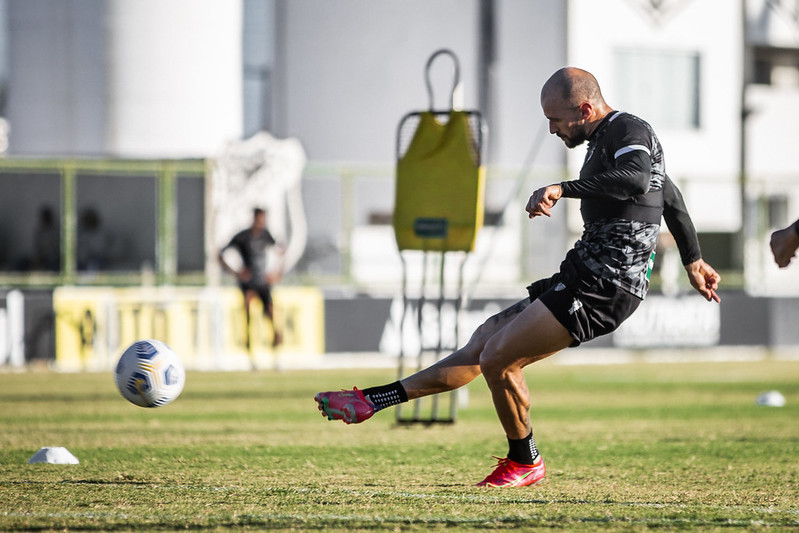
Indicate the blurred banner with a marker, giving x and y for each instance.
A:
(205, 326)
(674, 322)
(86, 328)
(12, 330)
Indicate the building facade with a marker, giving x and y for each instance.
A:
(180, 79)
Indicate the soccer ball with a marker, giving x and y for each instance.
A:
(150, 374)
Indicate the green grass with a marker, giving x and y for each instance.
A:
(628, 447)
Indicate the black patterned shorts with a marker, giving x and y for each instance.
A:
(587, 305)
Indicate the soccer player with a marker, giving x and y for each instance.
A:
(784, 243)
(624, 191)
(254, 279)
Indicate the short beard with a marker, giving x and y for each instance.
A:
(576, 140)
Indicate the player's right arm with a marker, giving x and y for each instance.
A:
(243, 273)
(224, 264)
(543, 199)
(629, 177)
(621, 166)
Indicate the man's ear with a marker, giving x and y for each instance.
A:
(585, 110)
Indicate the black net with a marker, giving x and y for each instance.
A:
(410, 122)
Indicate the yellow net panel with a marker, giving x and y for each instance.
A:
(440, 186)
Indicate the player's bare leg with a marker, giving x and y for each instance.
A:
(463, 365)
(248, 297)
(269, 314)
(533, 335)
(454, 371)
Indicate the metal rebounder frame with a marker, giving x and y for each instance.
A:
(438, 211)
(427, 312)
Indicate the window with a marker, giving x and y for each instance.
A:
(778, 216)
(258, 57)
(776, 66)
(661, 86)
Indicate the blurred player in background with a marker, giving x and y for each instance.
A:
(253, 277)
(47, 241)
(784, 243)
(624, 192)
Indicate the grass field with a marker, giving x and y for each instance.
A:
(628, 447)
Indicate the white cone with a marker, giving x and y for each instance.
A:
(54, 455)
(771, 398)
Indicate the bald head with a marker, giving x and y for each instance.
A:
(572, 86)
(573, 104)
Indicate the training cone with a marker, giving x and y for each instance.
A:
(54, 455)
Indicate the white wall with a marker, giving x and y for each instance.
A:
(772, 171)
(57, 77)
(174, 76)
(531, 45)
(772, 23)
(348, 71)
(771, 145)
(160, 78)
(705, 161)
(148, 78)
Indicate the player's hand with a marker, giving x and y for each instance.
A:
(244, 274)
(543, 200)
(704, 279)
(783, 244)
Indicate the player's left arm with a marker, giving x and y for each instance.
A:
(701, 275)
(704, 279)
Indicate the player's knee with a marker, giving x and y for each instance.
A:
(492, 365)
(481, 335)
(469, 354)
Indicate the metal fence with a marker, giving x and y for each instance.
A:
(153, 213)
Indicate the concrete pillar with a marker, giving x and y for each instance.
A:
(175, 76)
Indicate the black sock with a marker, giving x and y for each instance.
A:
(386, 395)
(523, 450)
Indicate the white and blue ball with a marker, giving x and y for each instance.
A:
(772, 398)
(150, 374)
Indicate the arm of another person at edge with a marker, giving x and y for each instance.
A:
(784, 243)
(702, 276)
